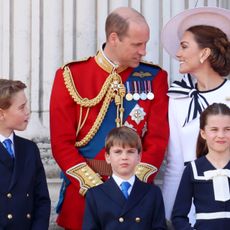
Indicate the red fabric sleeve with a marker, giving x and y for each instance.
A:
(63, 126)
(156, 138)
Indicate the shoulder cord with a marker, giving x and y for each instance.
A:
(112, 88)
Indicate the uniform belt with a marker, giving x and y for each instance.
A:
(100, 166)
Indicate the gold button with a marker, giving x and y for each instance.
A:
(9, 195)
(28, 216)
(138, 219)
(121, 219)
(9, 216)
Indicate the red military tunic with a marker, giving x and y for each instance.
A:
(148, 118)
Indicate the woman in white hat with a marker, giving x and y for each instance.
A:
(199, 39)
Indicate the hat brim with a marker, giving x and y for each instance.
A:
(175, 28)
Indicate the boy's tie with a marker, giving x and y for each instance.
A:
(7, 143)
(124, 188)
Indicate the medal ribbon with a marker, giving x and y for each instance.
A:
(91, 150)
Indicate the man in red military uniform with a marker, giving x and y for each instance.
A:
(91, 97)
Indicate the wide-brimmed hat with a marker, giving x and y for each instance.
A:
(174, 29)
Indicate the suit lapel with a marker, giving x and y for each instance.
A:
(18, 162)
(5, 158)
(113, 191)
(138, 192)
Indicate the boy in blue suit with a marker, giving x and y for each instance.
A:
(24, 197)
(136, 205)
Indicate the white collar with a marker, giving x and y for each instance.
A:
(107, 59)
(119, 180)
(11, 137)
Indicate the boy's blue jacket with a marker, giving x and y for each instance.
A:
(107, 208)
(24, 197)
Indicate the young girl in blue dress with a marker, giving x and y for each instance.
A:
(206, 180)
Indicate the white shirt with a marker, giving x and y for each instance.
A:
(2, 138)
(119, 180)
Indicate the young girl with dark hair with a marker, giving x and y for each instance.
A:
(205, 181)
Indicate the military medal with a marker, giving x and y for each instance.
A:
(128, 96)
(150, 95)
(137, 114)
(136, 95)
(143, 90)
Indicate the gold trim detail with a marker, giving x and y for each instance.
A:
(85, 102)
(142, 74)
(144, 170)
(112, 88)
(106, 65)
(72, 62)
(150, 63)
(86, 177)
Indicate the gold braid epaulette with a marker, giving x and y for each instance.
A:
(106, 91)
(144, 170)
(97, 122)
(85, 102)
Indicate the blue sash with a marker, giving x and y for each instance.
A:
(98, 142)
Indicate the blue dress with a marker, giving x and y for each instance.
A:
(211, 213)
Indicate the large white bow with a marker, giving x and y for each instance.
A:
(220, 183)
(187, 88)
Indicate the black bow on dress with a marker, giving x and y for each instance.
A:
(187, 88)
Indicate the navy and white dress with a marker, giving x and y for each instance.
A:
(209, 189)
